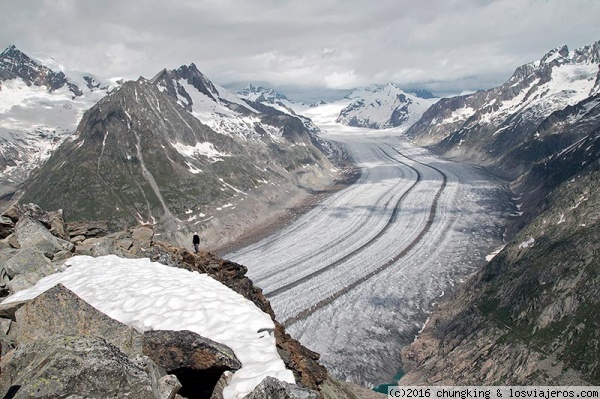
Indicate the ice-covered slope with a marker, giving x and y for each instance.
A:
(380, 107)
(41, 104)
(487, 125)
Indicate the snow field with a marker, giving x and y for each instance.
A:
(151, 296)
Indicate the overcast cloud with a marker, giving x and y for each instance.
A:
(442, 45)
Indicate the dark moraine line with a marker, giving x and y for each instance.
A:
(391, 220)
(334, 243)
(432, 212)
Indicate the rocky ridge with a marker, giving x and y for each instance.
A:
(105, 356)
(505, 128)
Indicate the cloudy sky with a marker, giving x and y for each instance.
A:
(442, 45)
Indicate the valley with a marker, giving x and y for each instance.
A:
(354, 278)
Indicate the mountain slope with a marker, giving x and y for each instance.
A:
(381, 107)
(140, 156)
(529, 316)
(39, 107)
(493, 127)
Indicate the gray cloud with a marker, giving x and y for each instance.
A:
(443, 45)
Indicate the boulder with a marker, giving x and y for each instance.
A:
(31, 233)
(185, 349)
(272, 388)
(8, 310)
(197, 362)
(59, 311)
(29, 260)
(23, 281)
(11, 240)
(14, 213)
(75, 366)
(88, 229)
(168, 386)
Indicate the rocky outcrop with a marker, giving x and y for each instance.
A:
(33, 238)
(197, 362)
(79, 366)
(272, 388)
(178, 356)
(59, 311)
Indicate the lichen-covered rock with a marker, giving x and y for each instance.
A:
(28, 260)
(31, 233)
(59, 311)
(75, 366)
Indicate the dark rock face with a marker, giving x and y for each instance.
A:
(14, 63)
(197, 362)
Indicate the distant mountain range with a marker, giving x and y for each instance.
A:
(175, 150)
(381, 107)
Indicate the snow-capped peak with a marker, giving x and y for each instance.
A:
(261, 94)
(41, 104)
(383, 106)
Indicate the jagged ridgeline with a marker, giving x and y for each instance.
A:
(530, 316)
(507, 128)
(141, 154)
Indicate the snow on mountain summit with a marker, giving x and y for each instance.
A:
(41, 104)
(380, 107)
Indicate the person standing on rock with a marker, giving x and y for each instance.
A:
(196, 242)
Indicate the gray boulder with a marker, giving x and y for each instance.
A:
(23, 281)
(14, 213)
(272, 388)
(59, 311)
(75, 366)
(29, 260)
(31, 233)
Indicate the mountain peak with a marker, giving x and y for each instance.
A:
(16, 64)
(559, 54)
(261, 94)
(10, 49)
